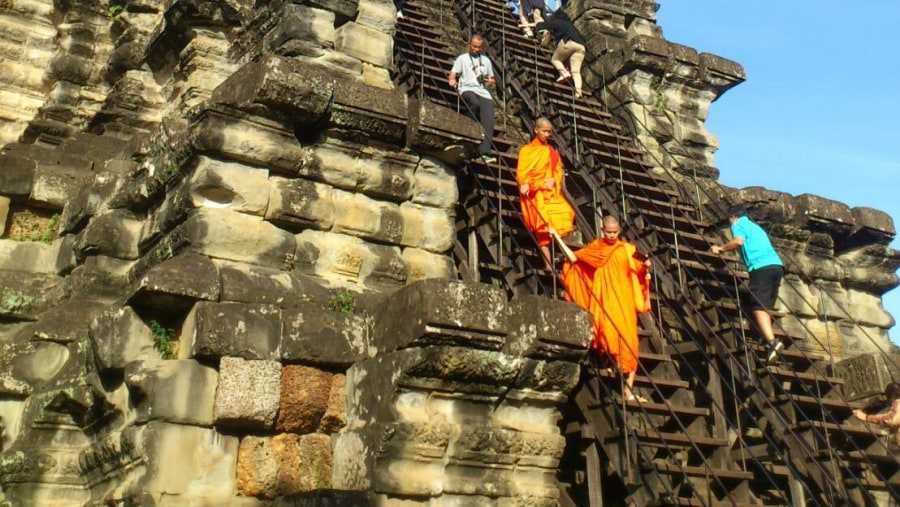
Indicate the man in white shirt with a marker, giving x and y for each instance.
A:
(471, 75)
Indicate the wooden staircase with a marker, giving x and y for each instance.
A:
(722, 427)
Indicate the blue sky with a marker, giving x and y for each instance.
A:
(819, 110)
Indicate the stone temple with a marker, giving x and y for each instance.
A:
(246, 260)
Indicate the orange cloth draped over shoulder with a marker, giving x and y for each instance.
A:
(610, 283)
(537, 162)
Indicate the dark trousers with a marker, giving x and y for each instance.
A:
(481, 110)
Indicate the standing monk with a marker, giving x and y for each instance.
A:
(611, 281)
(539, 173)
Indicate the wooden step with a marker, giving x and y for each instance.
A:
(653, 437)
(810, 378)
(697, 471)
(665, 408)
(644, 381)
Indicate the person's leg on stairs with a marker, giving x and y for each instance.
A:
(486, 118)
(575, 62)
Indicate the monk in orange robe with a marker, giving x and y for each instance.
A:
(539, 173)
(611, 282)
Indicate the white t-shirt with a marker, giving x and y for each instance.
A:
(467, 69)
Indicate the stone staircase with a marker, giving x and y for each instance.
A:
(722, 427)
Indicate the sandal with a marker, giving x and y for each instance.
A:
(564, 76)
(637, 398)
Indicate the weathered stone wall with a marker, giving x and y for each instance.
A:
(838, 260)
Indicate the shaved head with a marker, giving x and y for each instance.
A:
(542, 122)
(610, 220)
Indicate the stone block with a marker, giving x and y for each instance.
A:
(374, 385)
(435, 185)
(225, 234)
(257, 468)
(348, 258)
(16, 175)
(302, 23)
(343, 9)
(114, 233)
(246, 138)
(314, 334)
(238, 187)
(27, 295)
(340, 65)
(335, 417)
(367, 218)
(186, 460)
(249, 331)
(379, 15)
(246, 283)
(374, 172)
(99, 275)
(11, 412)
(120, 337)
(385, 174)
(820, 214)
(90, 200)
(364, 114)
(328, 498)
(431, 128)
(431, 229)
(5, 202)
(297, 204)
(305, 393)
(721, 72)
(304, 462)
(30, 256)
(378, 77)
(870, 226)
(66, 322)
(180, 392)
(441, 312)
(864, 375)
(177, 283)
(426, 265)
(248, 393)
(209, 500)
(365, 43)
(54, 186)
(300, 91)
(546, 329)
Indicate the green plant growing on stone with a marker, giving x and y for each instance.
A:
(50, 229)
(114, 10)
(659, 86)
(342, 302)
(164, 340)
(13, 302)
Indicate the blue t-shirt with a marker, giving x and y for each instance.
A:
(757, 251)
(468, 68)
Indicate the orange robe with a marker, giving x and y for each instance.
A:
(537, 162)
(610, 283)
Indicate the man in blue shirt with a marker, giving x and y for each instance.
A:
(471, 74)
(765, 268)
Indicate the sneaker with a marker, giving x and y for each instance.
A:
(488, 159)
(774, 348)
(564, 76)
